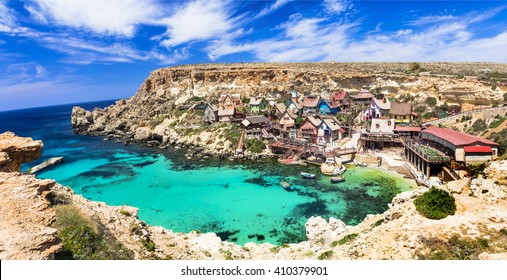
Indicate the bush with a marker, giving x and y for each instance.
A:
(326, 255)
(125, 212)
(82, 239)
(348, 238)
(431, 101)
(505, 96)
(254, 145)
(476, 169)
(501, 139)
(479, 125)
(414, 66)
(435, 204)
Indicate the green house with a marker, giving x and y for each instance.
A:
(258, 105)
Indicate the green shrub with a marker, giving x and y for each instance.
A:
(148, 244)
(254, 145)
(476, 169)
(326, 255)
(125, 212)
(195, 99)
(497, 122)
(431, 101)
(82, 239)
(348, 238)
(501, 139)
(414, 66)
(378, 223)
(435, 204)
(505, 96)
(455, 248)
(479, 125)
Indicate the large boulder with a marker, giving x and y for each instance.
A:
(81, 119)
(15, 151)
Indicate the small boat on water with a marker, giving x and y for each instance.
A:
(286, 186)
(337, 179)
(360, 164)
(340, 171)
(308, 175)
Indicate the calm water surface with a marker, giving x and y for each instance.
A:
(240, 202)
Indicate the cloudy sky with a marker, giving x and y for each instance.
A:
(64, 51)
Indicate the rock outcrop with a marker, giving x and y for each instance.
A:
(26, 212)
(15, 151)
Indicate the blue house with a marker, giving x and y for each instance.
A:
(329, 107)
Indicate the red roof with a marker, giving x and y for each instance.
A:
(311, 101)
(455, 137)
(338, 95)
(407, 128)
(477, 149)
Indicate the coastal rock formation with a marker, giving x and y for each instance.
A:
(15, 151)
(26, 213)
(399, 233)
(161, 109)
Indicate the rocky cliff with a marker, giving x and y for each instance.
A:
(158, 110)
(25, 231)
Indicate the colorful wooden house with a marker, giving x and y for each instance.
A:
(329, 107)
(364, 97)
(309, 129)
(311, 104)
(287, 125)
(401, 112)
(229, 107)
(329, 131)
(210, 113)
(342, 98)
(377, 108)
(295, 106)
(258, 104)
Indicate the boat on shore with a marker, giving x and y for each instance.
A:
(286, 186)
(308, 175)
(337, 179)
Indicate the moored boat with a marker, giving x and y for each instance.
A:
(360, 164)
(286, 186)
(337, 179)
(308, 175)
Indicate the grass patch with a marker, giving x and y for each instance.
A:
(455, 248)
(254, 145)
(378, 223)
(347, 238)
(326, 255)
(125, 212)
(85, 239)
(435, 204)
(148, 244)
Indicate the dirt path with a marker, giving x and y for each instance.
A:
(499, 128)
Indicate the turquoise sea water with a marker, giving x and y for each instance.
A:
(240, 202)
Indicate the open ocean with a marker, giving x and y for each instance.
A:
(240, 202)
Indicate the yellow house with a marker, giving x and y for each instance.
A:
(401, 112)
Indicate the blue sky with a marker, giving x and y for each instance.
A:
(55, 51)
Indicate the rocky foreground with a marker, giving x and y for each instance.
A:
(477, 229)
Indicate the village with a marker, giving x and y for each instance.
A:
(334, 128)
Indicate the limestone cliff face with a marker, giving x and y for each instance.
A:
(25, 211)
(153, 112)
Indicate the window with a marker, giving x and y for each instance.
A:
(389, 122)
(377, 126)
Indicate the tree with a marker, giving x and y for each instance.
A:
(435, 204)
(431, 101)
(414, 66)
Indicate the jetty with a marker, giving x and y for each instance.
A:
(45, 164)
(296, 150)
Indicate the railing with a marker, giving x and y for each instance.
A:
(449, 117)
(384, 138)
(426, 152)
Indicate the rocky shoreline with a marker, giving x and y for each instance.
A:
(27, 205)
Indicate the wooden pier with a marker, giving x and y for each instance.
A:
(295, 150)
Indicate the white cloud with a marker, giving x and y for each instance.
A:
(112, 17)
(304, 39)
(7, 19)
(273, 7)
(197, 21)
(36, 14)
(336, 6)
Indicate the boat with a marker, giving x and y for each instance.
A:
(286, 186)
(340, 171)
(337, 179)
(360, 164)
(308, 175)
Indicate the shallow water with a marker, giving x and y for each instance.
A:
(240, 202)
